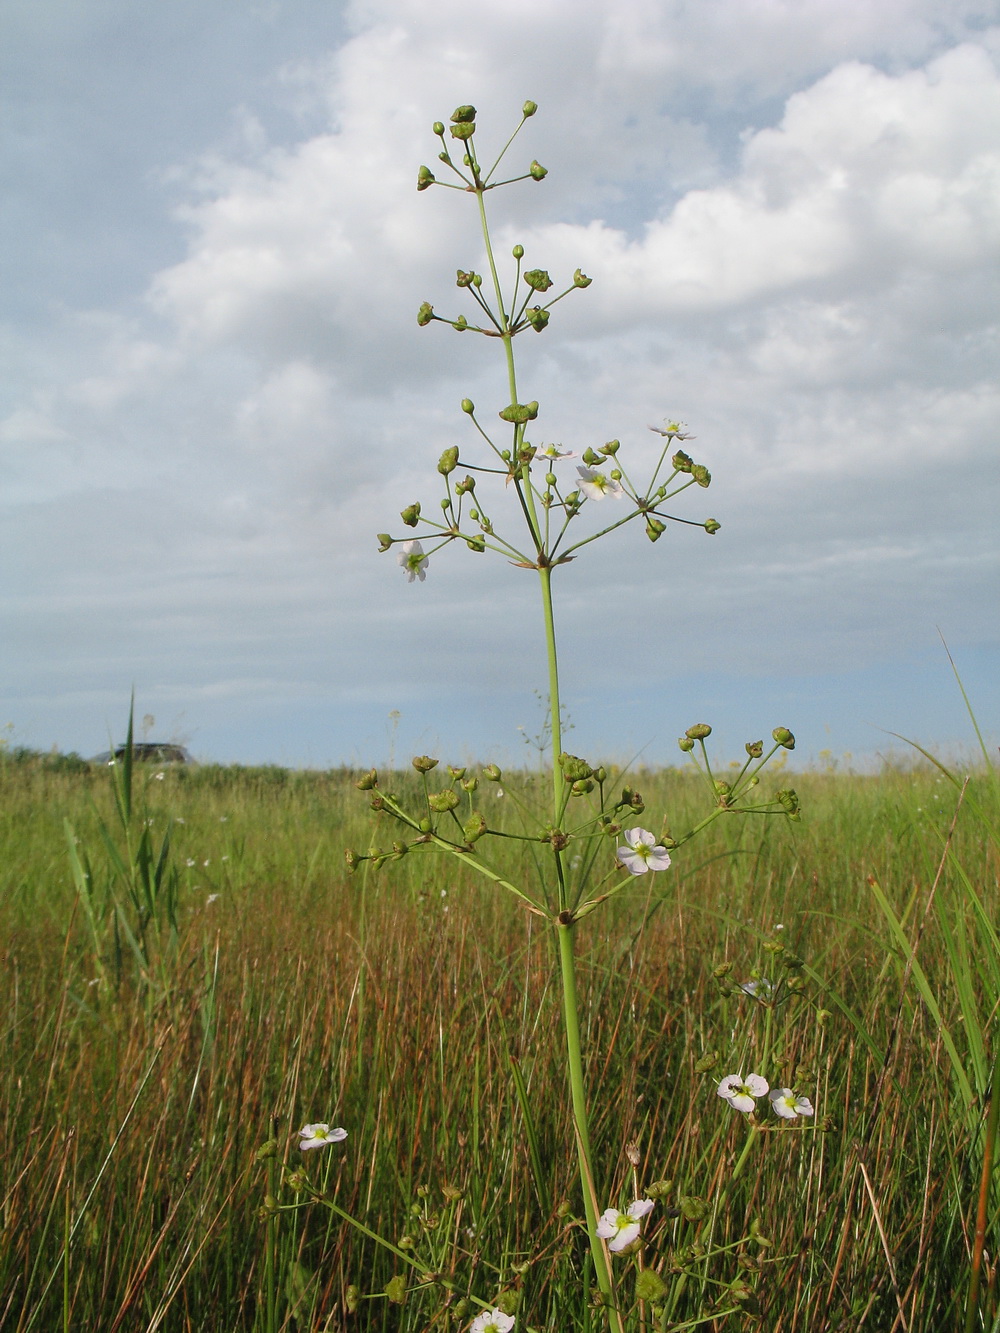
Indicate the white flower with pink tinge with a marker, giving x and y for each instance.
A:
(643, 852)
(413, 561)
(621, 1229)
(788, 1105)
(492, 1321)
(596, 485)
(319, 1135)
(742, 1093)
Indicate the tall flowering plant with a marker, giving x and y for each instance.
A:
(591, 846)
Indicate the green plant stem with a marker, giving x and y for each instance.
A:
(575, 1063)
(979, 1242)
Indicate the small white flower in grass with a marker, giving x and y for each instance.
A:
(413, 560)
(642, 853)
(492, 1321)
(787, 1105)
(761, 989)
(596, 485)
(741, 1093)
(318, 1136)
(621, 1229)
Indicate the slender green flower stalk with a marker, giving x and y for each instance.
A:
(583, 812)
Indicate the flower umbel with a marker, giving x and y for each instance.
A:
(642, 853)
(741, 1093)
(318, 1136)
(596, 485)
(621, 1229)
(492, 1321)
(787, 1105)
(413, 560)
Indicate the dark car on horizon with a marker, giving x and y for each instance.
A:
(147, 752)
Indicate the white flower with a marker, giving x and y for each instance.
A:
(761, 989)
(413, 560)
(642, 853)
(596, 485)
(741, 1092)
(674, 430)
(554, 453)
(318, 1136)
(492, 1321)
(621, 1229)
(787, 1105)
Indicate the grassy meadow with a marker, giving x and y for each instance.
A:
(169, 1009)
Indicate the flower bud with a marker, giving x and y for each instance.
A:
(754, 749)
(519, 413)
(470, 784)
(699, 732)
(266, 1150)
(353, 860)
(443, 801)
(574, 768)
(581, 279)
(660, 1189)
(529, 109)
(538, 280)
(537, 171)
(352, 1298)
(686, 744)
(682, 462)
(463, 279)
(784, 737)
(701, 475)
(654, 528)
(492, 772)
(400, 848)
(425, 314)
(468, 406)
(423, 763)
(448, 461)
(518, 252)
(592, 459)
(711, 527)
(395, 1289)
(537, 318)
(384, 541)
(463, 115)
(789, 802)
(438, 128)
(611, 448)
(369, 781)
(476, 544)
(649, 1286)
(601, 774)
(410, 514)
(425, 178)
(463, 131)
(693, 1208)
(582, 787)
(474, 827)
(707, 1062)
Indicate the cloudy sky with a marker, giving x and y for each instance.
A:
(215, 390)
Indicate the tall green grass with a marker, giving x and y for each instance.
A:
(420, 1011)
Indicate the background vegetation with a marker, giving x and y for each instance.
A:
(189, 970)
